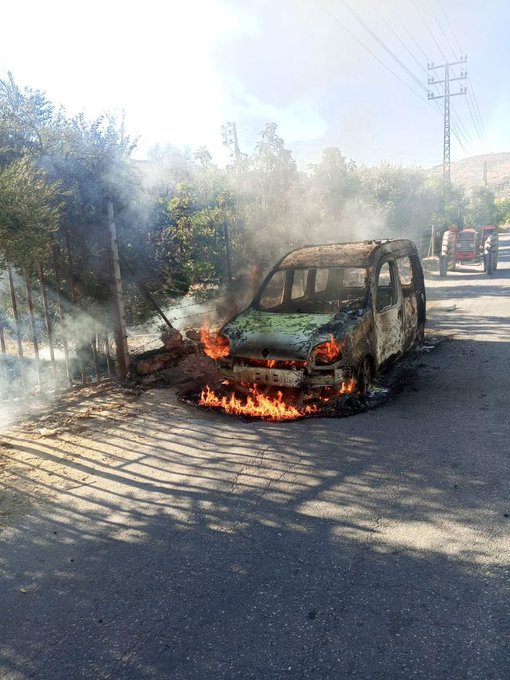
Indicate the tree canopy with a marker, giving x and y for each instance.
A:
(183, 222)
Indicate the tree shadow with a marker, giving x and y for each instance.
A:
(186, 544)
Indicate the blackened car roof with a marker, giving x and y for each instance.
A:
(354, 254)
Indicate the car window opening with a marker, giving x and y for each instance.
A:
(318, 290)
(386, 288)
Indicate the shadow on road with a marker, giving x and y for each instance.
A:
(189, 545)
(204, 546)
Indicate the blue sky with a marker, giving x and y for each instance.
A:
(181, 69)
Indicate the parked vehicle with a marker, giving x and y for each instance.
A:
(327, 314)
(469, 246)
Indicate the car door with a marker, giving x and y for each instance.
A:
(388, 313)
(409, 301)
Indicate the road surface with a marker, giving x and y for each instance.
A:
(163, 541)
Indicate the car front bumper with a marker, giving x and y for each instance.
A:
(284, 377)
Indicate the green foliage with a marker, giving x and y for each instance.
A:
(503, 210)
(189, 240)
(25, 120)
(29, 213)
(335, 181)
(56, 174)
(481, 207)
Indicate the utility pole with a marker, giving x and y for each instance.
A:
(229, 138)
(488, 166)
(118, 299)
(446, 96)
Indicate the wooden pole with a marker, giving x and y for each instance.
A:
(16, 322)
(47, 319)
(61, 314)
(120, 330)
(35, 343)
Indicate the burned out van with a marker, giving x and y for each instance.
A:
(326, 314)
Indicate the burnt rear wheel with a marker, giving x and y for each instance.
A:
(364, 376)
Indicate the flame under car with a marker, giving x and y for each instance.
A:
(328, 315)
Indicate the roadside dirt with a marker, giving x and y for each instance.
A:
(69, 421)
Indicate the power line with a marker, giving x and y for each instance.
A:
(475, 121)
(417, 7)
(475, 113)
(390, 27)
(449, 26)
(381, 42)
(462, 129)
(458, 128)
(455, 56)
(456, 125)
(477, 110)
(413, 40)
(356, 39)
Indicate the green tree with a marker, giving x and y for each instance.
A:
(503, 208)
(190, 238)
(29, 213)
(335, 181)
(481, 207)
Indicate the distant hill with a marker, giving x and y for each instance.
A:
(469, 172)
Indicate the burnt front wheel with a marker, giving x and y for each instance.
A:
(364, 376)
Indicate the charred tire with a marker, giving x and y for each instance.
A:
(364, 376)
(489, 264)
(420, 335)
(443, 266)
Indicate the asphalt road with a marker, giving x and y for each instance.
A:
(178, 543)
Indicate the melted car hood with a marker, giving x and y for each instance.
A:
(272, 335)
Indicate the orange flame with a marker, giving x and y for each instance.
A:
(329, 351)
(215, 346)
(347, 387)
(330, 394)
(259, 405)
(255, 404)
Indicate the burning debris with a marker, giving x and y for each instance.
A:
(270, 404)
(255, 404)
(215, 346)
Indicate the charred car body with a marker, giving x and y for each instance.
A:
(327, 314)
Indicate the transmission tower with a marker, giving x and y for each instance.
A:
(446, 96)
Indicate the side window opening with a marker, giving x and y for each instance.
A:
(299, 284)
(321, 280)
(386, 287)
(405, 271)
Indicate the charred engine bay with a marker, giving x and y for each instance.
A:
(397, 378)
